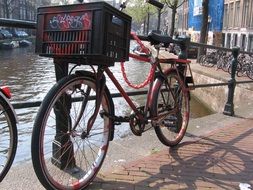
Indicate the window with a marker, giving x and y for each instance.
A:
(22, 12)
(223, 39)
(228, 40)
(237, 14)
(225, 18)
(235, 39)
(251, 43)
(231, 14)
(1, 10)
(186, 20)
(243, 42)
(246, 14)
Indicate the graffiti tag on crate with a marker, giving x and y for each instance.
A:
(70, 21)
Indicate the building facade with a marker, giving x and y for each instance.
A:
(238, 24)
(230, 22)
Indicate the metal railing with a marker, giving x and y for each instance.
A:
(17, 23)
(37, 103)
(217, 48)
(229, 107)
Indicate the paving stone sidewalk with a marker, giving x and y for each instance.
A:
(223, 159)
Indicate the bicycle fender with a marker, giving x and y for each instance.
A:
(157, 79)
(10, 105)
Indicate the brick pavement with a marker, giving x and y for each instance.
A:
(223, 159)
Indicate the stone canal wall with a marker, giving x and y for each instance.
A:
(216, 97)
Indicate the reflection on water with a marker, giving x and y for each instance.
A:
(31, 76)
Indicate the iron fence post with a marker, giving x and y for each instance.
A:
(184, 44)
(229, 107)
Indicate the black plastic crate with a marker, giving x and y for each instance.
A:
(90, 33)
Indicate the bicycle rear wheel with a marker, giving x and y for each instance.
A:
(170, 108)
(8, 137)
(64, 154)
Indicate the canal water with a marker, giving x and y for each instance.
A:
(30, 77)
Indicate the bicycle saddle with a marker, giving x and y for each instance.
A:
(156, 39)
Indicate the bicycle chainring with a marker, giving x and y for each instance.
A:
(136, 126)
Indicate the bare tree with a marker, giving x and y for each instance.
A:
(173, 5)
(204, 28)
(8, 8)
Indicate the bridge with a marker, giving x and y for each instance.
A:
(216, 154)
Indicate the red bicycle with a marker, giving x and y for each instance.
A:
(76, 120)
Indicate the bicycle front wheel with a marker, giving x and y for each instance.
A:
(65, 154)
(8, 137)
(170, 108)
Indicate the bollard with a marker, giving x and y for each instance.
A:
(229, 107)
(62, 145)
(184, 44)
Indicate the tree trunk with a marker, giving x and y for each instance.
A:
(6, 9)
(159, 20)
(204, 28)
(144, 26)
(26, 10)
(174, 11)
(148, 24)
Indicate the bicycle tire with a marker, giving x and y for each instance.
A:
(249, 71)
(170, 108)
(72, 158)
(202, 60)
(209, 61)
(225, 65)
(238, 69)
(8, 137)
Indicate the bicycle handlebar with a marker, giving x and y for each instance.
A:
(155, 3)
(162, 39)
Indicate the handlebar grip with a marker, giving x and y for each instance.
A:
(155, 3)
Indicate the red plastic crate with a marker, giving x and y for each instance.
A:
(90, 33)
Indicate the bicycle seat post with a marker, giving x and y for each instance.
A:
(157, 47)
